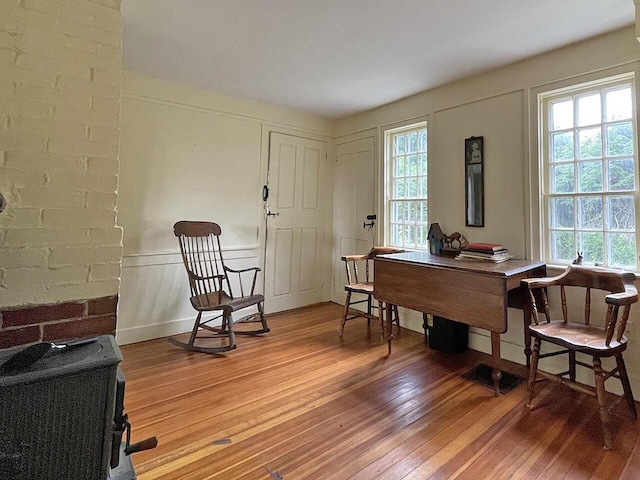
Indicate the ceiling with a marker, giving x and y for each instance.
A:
(339, 57)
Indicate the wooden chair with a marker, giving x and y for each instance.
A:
(211, 288)
(577, 334)
(357, 285)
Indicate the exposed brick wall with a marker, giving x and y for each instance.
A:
(60, 69)
(61, 320)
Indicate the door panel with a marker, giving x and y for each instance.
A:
(311, 175)
(308, 270)
(285, 176)
(354, 199)
(283, 254)
(294, 272)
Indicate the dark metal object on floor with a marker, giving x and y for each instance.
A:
(446, 335)
(481, 374)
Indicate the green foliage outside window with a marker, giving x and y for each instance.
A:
(408, 220)
(592, 181)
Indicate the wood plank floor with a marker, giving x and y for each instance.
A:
(303, 404)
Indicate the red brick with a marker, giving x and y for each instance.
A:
(19, 336)
(31, 315)
(103, 306)
(85, 327)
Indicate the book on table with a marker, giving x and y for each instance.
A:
(491, 252)
(487, 257)
(485, 247)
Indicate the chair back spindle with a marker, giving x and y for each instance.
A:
(563, 300)
(610, 323)
(351, 266)
(623, 322)
(587, 306)
(201, 254)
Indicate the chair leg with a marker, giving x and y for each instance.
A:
(263, 320)
(346, 311)
(194, 332)
(572, 365)
(229, 322)
(600, 395)
(369, 310)
(381, 309)
(533, 368)
(626, 386)
(397, 317)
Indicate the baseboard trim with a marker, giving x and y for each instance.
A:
(152, 331)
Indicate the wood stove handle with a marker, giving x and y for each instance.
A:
(143, 445)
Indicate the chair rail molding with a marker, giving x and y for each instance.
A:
(148, 259)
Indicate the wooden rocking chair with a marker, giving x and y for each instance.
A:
(211, 288)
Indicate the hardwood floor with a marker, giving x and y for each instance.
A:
(302, 404)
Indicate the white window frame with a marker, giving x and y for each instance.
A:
(544, 165)
(416, 225)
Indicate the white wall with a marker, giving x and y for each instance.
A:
(500, 106)
(188, 154)
(499, 120)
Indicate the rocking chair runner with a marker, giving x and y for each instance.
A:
(211, 288)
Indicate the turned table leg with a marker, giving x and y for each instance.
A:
(389, 325)
(496, 374)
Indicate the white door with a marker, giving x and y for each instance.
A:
(297, 257)
(354, 201)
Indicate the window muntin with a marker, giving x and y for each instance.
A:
(590, 185)
(406, 187)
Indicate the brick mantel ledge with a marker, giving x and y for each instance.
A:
(38, 323)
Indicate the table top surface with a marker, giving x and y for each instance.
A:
(507, 268)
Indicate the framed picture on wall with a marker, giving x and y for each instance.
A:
(474, 181)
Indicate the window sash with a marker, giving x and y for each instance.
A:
(570, 216)
(406, 187)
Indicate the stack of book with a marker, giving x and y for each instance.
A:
(489, 252)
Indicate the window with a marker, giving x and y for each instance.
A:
(406, 216)
(589, 175)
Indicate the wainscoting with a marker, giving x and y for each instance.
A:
(154, 298)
